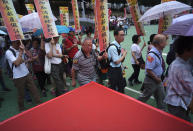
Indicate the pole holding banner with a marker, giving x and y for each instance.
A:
(102, 23)
(46, 18)
(76, 15)
(95, 14)
(64, 15)
(30, 8)
(10, 19)
(134, 9)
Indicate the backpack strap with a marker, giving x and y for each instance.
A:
(118, 50)
(155, 55)
(13, 52)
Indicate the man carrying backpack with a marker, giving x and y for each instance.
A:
(116, 57)
(21, 77)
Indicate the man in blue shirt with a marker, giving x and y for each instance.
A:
(116, 57)
(154, 69)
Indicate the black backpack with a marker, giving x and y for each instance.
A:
(105, 63)
(10, 69)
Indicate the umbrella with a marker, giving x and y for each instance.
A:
(31, 21)
(3, 28)
(182, 28)
(167, 8)
(182, 18)
(60, 28)
(2, 32)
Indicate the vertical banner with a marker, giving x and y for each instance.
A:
(30, 8)
(102, 23)
(95, 18)
(64, 16)
(125, 13)
(134, 9)
(46, 18)
(10, 19)
(2, 22)
(165, 21)
(76, 15)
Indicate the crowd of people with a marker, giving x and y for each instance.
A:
(26, 62)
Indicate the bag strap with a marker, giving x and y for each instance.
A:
(13, 52)
(155, 54)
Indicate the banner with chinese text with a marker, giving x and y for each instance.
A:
(10, 19)
(134, 9)
(95, 17)
(76, 15)
(64, 16)
(30, 8)
(102, 23)
(165, 22)
(46, 18)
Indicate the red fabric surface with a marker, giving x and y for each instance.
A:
(94, 108)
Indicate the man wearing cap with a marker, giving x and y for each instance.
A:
(152, 84)
(54, 53)
(71, 45)
(21, 77)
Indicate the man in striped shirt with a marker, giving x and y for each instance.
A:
(85, 63)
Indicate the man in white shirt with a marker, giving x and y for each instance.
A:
(21, 77)
(54, 53)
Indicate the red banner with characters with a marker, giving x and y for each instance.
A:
(64, 16)
(134, 9)
(10, 19)
(46, 18)
(95, 19)
(102, 23)
(76, 15)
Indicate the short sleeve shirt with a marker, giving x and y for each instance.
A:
(19, 71)
(154, 63)
(56, 51)
(135, 48)
(113, 54)
(85, 66)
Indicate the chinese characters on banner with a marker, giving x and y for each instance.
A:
(64, 16)
(76, 15)
(10, 19)
(30, 8)
(46, 18)
(165, 21)
(102, 23)
(134, 9)
(95, 14)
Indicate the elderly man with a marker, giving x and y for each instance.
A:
(154, 70)
(84, 63)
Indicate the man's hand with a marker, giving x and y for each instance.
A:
(105, 55)
(137, 62)
(124, 52)
(73, 83)
(144, 44)
(158, 80)
(21, 48)
(52, 41)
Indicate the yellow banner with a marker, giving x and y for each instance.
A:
(102, 23)
(64, 16)
(76, 15)
(30, 8)
(10, 19)
(46, 18)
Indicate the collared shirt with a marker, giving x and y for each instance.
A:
(19, 71)
(113, 54)
(85, 66)
(56, 51)
(154, 63)
(180, 79)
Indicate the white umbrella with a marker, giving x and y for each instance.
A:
(167, 8)
(31, 21)
(182, 28)
(182, 18)
(2, 32)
